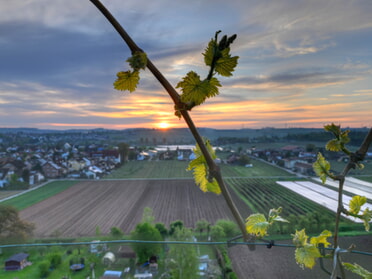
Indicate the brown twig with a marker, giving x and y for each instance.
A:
(355, 158)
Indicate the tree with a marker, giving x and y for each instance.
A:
(162, 229)
(310, 147)
(146, 232)
(116, 232)
(244, 160)
(44, 269)
(12, 228)
(201, 226)
(174, 225)
(26, 176)
(183, 258)
(147, 216)
(123, 151)
(217, 232)
(229, 227)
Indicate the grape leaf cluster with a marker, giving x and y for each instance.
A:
(218, 58)
(258, 225)
(129, 80)
(200, 170)
(307, 252)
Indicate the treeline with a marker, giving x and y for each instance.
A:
(356, 138)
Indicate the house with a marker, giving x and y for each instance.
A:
(35, 177)
(51, 170)
(17, 262)
(110, 274)
(304, 168)
(290, 163)
(76, 165)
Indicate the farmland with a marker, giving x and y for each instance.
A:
(177, 169)
(105, 204)
(325, 196)
(76, 209)
(264, 193)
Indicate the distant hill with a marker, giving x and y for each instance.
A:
(147, 136)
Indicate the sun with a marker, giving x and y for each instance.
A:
(163, 125)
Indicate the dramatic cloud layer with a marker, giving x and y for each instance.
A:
(302, 63)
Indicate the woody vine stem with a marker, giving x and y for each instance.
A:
(214, 170)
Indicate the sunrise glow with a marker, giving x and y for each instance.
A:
(163, 125)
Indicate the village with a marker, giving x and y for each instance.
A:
(38, 158)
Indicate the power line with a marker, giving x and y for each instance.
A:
(268, 244)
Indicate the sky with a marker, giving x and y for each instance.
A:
(302, 63)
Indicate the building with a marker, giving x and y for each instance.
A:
(17, 262)
(52, 170)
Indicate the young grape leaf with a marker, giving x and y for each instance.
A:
(199, 167)
(210, 52)
(321, 168)
(225, 65)
(306, 255)
(357, 269)
(360, 166)
(335, 129)
(300, 238)
(195, 90)
(342, 137)
(192, 88)
(274, 216)
(356, 203)
(257, 224)
(127, 81)
(333, 145)
(138, 60)
(321, 239)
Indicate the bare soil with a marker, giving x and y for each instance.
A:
(279, 262)
(120, 203)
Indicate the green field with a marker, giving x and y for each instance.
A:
(177, 169)
(25, 200)
(152, 169)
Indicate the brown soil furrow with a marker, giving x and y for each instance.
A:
(120, 203)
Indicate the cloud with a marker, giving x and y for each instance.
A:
(59, 59)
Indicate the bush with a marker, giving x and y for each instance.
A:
(55, 260)
(229, 227)
(162, 229)
(44, 269)
(116, 232)
(217, 232)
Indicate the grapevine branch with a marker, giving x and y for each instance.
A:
(214, 169)
(354, 159)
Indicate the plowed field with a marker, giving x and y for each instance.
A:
(120, 203)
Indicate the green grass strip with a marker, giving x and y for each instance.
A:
(25, 200)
